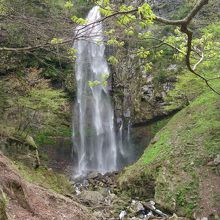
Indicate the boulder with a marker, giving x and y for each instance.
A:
(91, 197)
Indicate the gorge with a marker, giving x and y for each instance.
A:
(109, 110)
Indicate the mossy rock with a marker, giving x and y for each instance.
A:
(23, 139)
(46, 178)
(25, 148)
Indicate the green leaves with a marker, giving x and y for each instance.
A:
(72, 53)
(103, 81)
(3, 9)
(142, 53)
(147, 67)
(103, 3)
(68, 5)
(105, 7)
(127, 18)
(105, 76)
(110, 32)
(145, 10)
(79, 21)
(56, 41)
(113, 60)
(115, 42)
(145, 35)
(125, 8)
(129, 31)
(106, 11)
(43, 99)
(146, 14)
(93, 83)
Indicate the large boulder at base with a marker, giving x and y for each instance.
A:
(91, 197)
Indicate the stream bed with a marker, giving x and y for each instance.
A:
(101, 194)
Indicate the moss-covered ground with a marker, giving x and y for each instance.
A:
(46, 178)
(176, 161)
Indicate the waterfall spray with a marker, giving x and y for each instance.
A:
(94, 135)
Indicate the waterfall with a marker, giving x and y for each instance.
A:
(94, 135)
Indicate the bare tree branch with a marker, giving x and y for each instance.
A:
(30, 48)
(200, 60)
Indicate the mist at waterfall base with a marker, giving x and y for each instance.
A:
(96, 145)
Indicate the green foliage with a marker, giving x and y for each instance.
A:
(93, 83)
(115, 42)
(142, 53)
(147, 15)
(3, 9)
(106, 11)
(183, 199)
(158, 125)
(37, 108)
(182, 147)
(72, 53)
(46, 99)
(49, 16)
(146, 12)
(3, 205)
(103, 81)
(209, 67)
(3, 199)
(103, 3)
(68, 5)
(128, 18)
(129, 31)
(160, 148)
(46, 178)
(51, 131)
(56, 41)
(145, 35)
(77, 20)
(113, 60)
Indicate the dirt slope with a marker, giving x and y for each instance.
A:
(22, 200)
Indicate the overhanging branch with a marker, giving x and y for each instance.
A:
(182, 23)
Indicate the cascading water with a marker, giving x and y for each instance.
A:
(94, 136)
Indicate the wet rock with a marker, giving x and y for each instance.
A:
(122, 215)
(98, 214)
(215, 162)
(112, 196)
(93, 175)
(151, 207)
(136, 206)
(155, 140)
(91, 197)
(172, 67)
(174, 217)
(77, 190)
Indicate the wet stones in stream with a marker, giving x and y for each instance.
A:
(101, 195)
